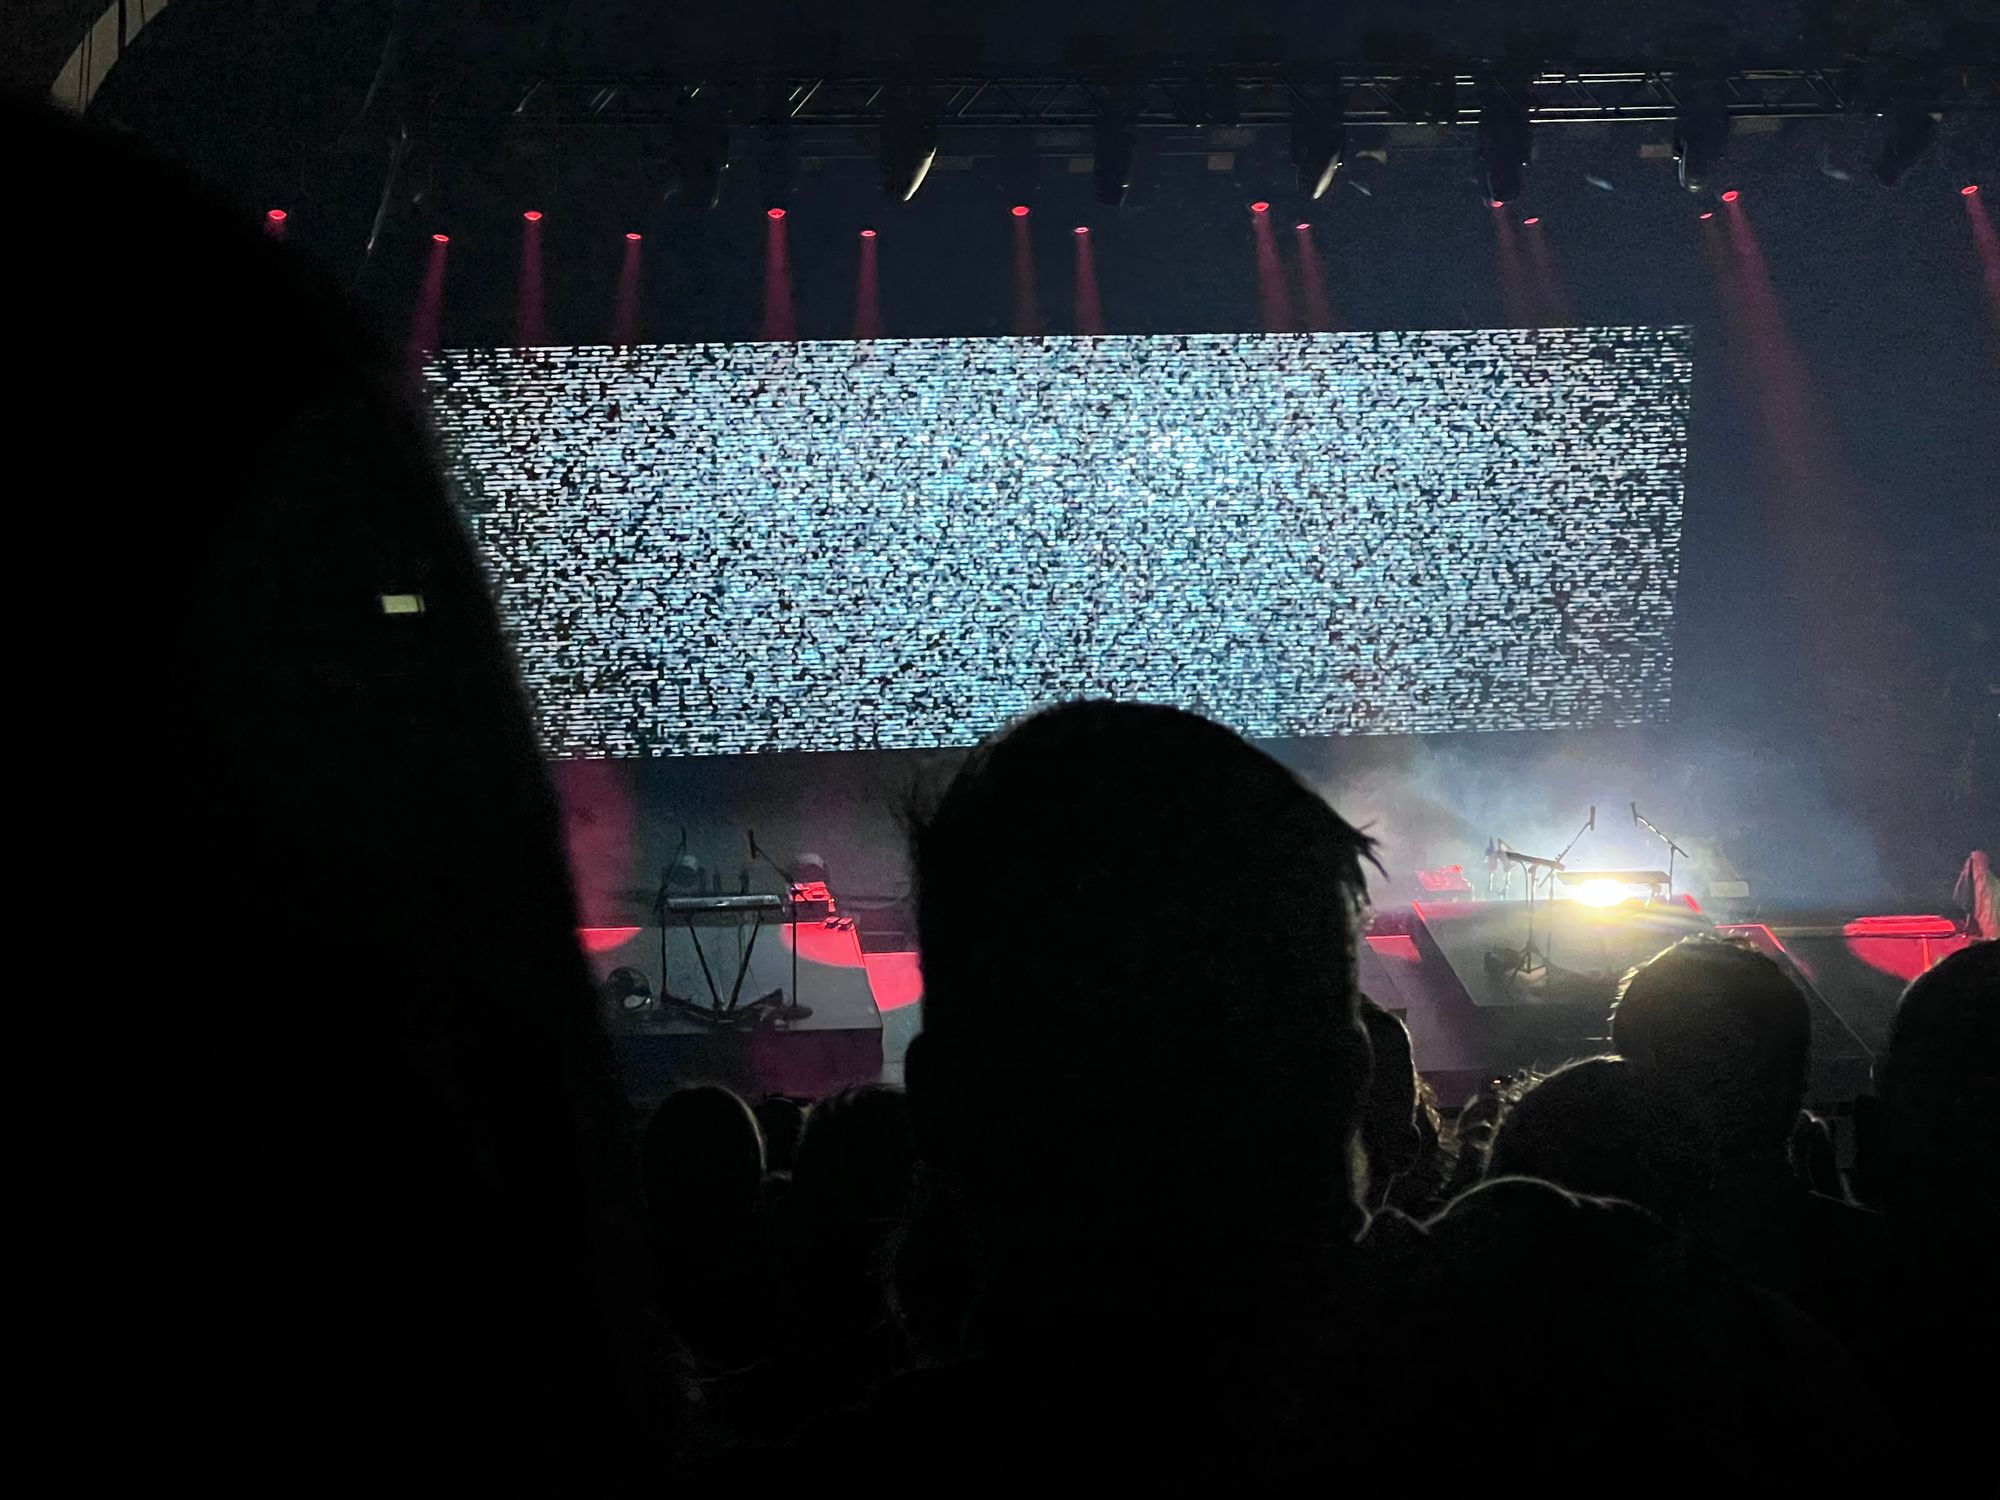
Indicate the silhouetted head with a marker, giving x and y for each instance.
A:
(704, 1158)
(783, 1121)
(388, 1139)
(1725, 1030)
(1389, 1124)
(1138, 938)
(856, 1156)
(1592, 1128)
(1938, 1083)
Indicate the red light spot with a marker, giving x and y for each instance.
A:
(1019, 210)
(442, 239)
(1731, 196)
(533, 216)
(1968, 190)
(868, 234)
(1302, 226)
(276, 215)
(1532, 219)
(774, 213)
(1260, 207)
(1082, 229)
(632, 234)
(1708, 213)
(1496, 203)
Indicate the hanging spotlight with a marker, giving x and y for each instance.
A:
(1319, 141)
(1912, 128)
(1701, 134)
(700, 148)
(1504, 140)
(1112, 160)
(909, 146)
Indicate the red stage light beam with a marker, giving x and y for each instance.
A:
(868, 290)
(625, 300)
(1273, 295)
(780, 320)
(1027, 301)
(529, 332)
(1089, 309)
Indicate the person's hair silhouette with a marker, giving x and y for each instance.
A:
(1140, 1061)
(1727, 1032)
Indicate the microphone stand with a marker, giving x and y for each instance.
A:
(792, 1010)
(1589, 824)
(1672, 847)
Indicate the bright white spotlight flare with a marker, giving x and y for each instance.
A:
(1601, 893)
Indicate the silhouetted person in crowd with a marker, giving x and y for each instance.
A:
(1721, 1034)
(849, 1189)
(783, 1120)
(1145, 1091)
(1389, 1130)
(373, 1212)
(1594, 1348)
(1927, 1157)
(703, 1170)
(1591, 1127)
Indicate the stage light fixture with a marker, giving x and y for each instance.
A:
(868, 234)
(1971, 189)
(1532, 219)
(1019, 210)
(1081, 229)
(1260, 207)
(1911, 131)
(533, 216)
(1708, 213)
(1302, 226)
(1505, 141)
(1701, 134)
(1319, 144)
(633, 235)
(1111, 161)
(1731, 196)
(276, 215)
(774, 213)
(442, 239)
(909, 147)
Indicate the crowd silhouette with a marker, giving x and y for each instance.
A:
(1166, 1203)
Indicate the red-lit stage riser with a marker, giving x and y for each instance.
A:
(1450, 970)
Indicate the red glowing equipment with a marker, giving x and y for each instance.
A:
(1532, 219)
(868, 234)
(442, 239)
(533, 216)
(774, 213)
(276, 215)
(1968, 190)
(1260, 207)
(1081, 229)
(1019, 210)
(1731, 196)
(632, 234)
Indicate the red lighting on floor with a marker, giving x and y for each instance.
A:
(1532, 219)
(868, 234)
(442, 239)
(1968, 190)
(276, 215)
(1081, 229)
(533, 216)
(774, 213)
(1260, 207)
(632, 234)
(1019, 210)
(1731, 196)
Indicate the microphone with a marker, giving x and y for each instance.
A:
(1593, 817)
